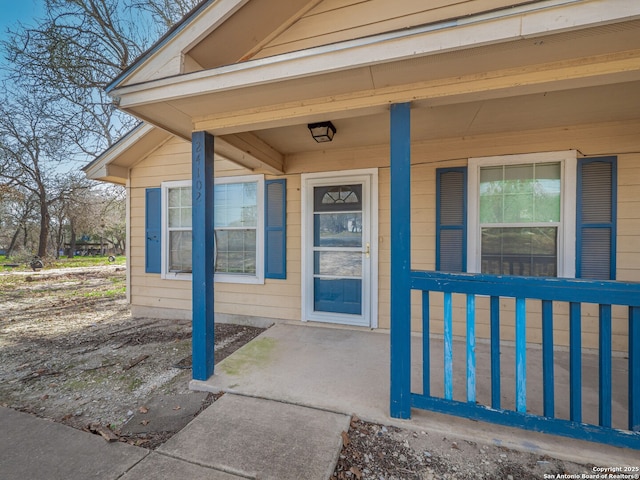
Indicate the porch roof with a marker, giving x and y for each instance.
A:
(540, 47)
(538, 65)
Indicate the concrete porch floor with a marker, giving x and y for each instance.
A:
(347, 371)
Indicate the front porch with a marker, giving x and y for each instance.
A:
(346, 370)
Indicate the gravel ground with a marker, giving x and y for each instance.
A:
(378, 452)
(70, 351)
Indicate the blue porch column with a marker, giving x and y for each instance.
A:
(400, 260)
(203, 260)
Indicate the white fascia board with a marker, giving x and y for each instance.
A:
(485, 29)
(117, 149)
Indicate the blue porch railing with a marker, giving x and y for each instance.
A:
(523, 290)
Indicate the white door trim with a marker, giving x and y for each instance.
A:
(370, 299)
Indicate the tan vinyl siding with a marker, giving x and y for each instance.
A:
(340, 20)
(282, 298)
(274, 299)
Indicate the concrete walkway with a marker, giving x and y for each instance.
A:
(236, 437)
(347, 371)
(291, 392)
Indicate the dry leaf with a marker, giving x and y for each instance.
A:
(356, 471)
(144, 422)
(177, 407)
(345, 439)
(143, 409)
(106, 433)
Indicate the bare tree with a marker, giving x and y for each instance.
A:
(113, 208)
(30, 151)
(55, 108)
(17, 212)
(167, 12)
(75, 208)
(70, 56)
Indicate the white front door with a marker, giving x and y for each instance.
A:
(339, 248)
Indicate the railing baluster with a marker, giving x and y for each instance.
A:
(426, 349)
(547, 358)
(604, 384)
(471, 348)
(575, 362)
(495, 352)
(634, 369)
(521, 355)
(448, 347)
(548, 291)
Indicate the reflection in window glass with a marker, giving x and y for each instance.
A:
(236, 251)
(179, 226)
(520, 193)
(528, 251)
(338, 264)
(236, 205)
(180, 251)
(520, 219)
(236, 210)
(338, 229)
(180, 207)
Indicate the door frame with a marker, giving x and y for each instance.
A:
(370, 293)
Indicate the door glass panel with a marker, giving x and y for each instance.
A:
(337, 198)
(338, 229)
(338, 264)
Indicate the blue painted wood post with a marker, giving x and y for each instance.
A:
(202, 255)
(575, 362)
(521, 355)
(426, 345)
(495, 352)
(547, 359)
(471, 348)
(448, 346)
(604, 412)
(634, 369)
(400, 118)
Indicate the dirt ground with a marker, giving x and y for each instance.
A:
(70, 351)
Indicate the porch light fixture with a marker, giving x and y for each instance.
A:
(322, 131)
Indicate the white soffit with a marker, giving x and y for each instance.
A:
(166, 55)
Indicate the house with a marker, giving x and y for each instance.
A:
(473, 173)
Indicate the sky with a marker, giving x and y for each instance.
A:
(13, 11)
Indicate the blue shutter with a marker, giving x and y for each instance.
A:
(451, 219)
(596, 218)
(153, 230)
(275, 229)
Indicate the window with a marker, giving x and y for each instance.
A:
(236, 227)
(522, 218)
(177, 199)
(546, 214)
(238, 223)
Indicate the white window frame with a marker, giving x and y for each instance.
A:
(258, 278)
(566, 267)
(165, 273)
